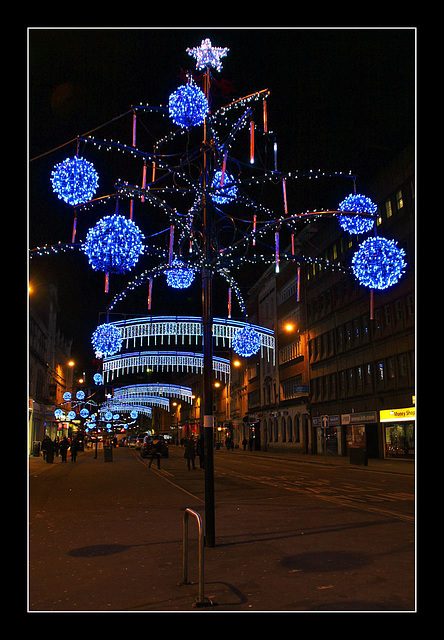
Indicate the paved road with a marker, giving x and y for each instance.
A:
(290, 536)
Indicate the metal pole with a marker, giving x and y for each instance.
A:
(207, 318)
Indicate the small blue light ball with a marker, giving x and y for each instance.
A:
(246, 342)
(98, 378)
(106, 340)
(71, 415)
(114, 244)
(80, 395)
(84, 413)
(67, 396)
(179, 276)
(188, 106)
(378, 263)
(134, 414)
(75, 180)
(225, 193)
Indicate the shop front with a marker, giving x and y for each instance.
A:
(399, 432)
(360, 431)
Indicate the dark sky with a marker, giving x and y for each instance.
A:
(341, 99)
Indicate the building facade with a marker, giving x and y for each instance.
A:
(49, 373)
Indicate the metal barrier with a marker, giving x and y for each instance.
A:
(201, 601)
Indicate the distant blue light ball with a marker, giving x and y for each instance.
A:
(75, 180)
(188, 106)
(246, 342)
(67, 396)
(84, 413)
(98, 378)
(114, 244)
(378, 263)
(359, 204)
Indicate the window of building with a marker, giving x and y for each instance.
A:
(388, 208)
(399, 200)
(368, 377)
(402, 365)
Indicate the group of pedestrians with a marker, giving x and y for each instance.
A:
(50, 447)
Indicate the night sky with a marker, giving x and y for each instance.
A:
(341, 99)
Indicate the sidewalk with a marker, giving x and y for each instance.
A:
(386, 465)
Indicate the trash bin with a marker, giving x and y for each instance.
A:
(217, 446)
(358, 456)
(108, 453)
(36, 449)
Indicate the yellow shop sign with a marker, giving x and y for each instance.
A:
(395, 415)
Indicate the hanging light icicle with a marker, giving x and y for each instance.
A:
(170, 249)
(284, 190)
(265, 116)
(150, 293)
(276, 252)
(254, 229)
(251, 142)
(133, 142)
(292, 244)
(143, 179)
(298, 287)
(229, 302)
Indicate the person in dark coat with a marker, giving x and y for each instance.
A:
(190, 452)
(57, 447)
(64, 444)
(244, 443)
(74, 448)
(155, 451)
(48, 449)
(200, 451)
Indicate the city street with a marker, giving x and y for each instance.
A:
(291, 535)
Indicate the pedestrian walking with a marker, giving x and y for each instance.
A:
(190, 452)
(200, 451)
(74, 448)
(156, 448)
(48, 449)
(250, 444)
(64, 444)
(57, 447)
(244, 443)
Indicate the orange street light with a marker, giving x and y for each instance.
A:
(289, 326)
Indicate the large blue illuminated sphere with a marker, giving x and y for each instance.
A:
(114, 244)
(179, 276)
(246, 342)
(98, 379)
(106, 340)
(75, 180)
(227, 192)
(378, 263)
(67, 396)
(188, 106)
(359, 204)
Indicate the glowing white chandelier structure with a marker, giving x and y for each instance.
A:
(157, 389)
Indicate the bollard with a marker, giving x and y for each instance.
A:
(201, 601)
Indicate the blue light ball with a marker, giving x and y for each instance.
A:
(106, 340)
(114, 244)
(226, 193)
(74, 180)
(378, 263)
(179, 276)
(188, 106)
(67, 396)
(71, 415)
(98, 378)
(134, 414)
(359, 204)
(246, 342)
(80, 395)
(84, 413)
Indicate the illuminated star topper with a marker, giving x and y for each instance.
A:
(208, 56)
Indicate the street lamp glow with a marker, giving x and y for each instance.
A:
(71, 363)
(236, 363)
(289, 326)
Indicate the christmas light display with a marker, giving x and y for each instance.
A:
(378, 263)
(80, 395)
(74, 180)
(225, 189)
(179, 277)
(208, 56)
(246, 342)
(106, 340)
(58, 413)
(114, 244)
(188, 106)
(67, 396)
(84, 413)
(71, 415)
(359, 204)
(153, 389)
(98, 379)
(134, 414)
